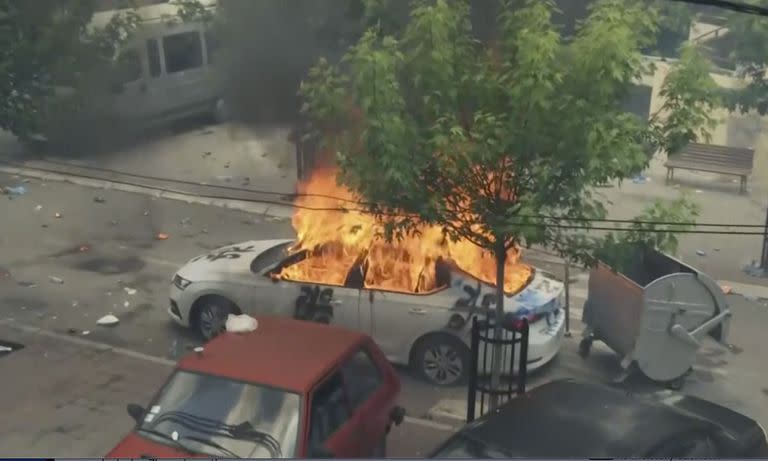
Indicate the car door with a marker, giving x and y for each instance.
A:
(368, 397)
(398, 319)
(330, 421)
(186, 76)
(130, 98)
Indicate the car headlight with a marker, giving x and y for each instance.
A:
(181, 283)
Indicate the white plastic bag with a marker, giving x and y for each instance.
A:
(241, 323)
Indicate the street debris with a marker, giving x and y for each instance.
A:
(84, 248)
(749, 297)
(206, 154)
(6, 349)
(38, 207)
(109, 293)
(13, 192)
(23, 308)
(162, 236)
(146, 212)
(126, 304)
(26, 180)
(108, 320)
(203, 230)
(699, 191)
(75, 303)
(57, 215)
(701, 253)
(4, 274)
(726, 289)
(86, 332)
(113, 222)
(44, 225)
(56, 280)
(224, 178)
(99, 199)
(241, 323)
(130, 291)
(753, 269)
(639, 179)
(226, 165)
(185, 221)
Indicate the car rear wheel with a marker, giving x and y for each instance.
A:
(211, 315)
(442, 360)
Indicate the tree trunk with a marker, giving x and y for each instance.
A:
(498, 332)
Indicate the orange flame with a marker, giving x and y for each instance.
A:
(337, 241)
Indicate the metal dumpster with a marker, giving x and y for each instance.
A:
(654, 314)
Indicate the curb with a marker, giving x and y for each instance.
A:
(275, 211)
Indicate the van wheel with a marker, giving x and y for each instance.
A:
(442, 360)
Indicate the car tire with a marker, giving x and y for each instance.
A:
(210, 315)
(442, 360)
(380, 451)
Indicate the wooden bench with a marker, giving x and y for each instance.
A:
(735, 161)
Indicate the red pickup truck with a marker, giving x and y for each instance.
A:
(287, 389)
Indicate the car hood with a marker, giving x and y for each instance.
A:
(136, 446)
(227, 260)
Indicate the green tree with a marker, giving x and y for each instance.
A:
(431, 126)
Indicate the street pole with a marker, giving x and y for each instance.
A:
(764, 253)
(567, 298)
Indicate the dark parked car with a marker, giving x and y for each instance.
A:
(567, 419)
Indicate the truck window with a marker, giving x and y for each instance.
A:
(329, 411)
(183, 51)
(362, 377)
(153, 55)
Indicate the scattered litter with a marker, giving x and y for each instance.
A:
(726, 289)
(241, 323)
(206, 154)
(54, 317)
(109, 293)
(224, 178)
(99, 199)
(198, 349)
(749, 297)
(44, 225)
(226, 165)
(107, 320)
(716, 249)
(204, 230)
(639, 179)
(4, 275)
(38, 207)
(23, 308)
(700, 253)
(15, 191)
(86, 332)
(75, 303)
(84, 248)
(6, 349)
(246, 181)
(185, 221)
(126, 304)
(162, 236)
(699, 191)
(54, 279)
(113, 222)
(72, 331)
(146, 212)
(130, 291)
(57, 215)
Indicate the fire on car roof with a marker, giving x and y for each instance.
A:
(337, 240)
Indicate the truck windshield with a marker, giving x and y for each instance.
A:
(217, 416)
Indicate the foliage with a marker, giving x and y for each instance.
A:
(432, 126)
(616, 248)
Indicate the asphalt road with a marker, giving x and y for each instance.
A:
(97, 250)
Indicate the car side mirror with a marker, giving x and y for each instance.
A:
(321, 453)
(136, 411)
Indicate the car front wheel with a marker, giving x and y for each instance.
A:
(211, 316)
(442, 360)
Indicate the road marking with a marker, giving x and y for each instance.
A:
(103, 347)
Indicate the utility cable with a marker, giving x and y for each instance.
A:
(341, 199)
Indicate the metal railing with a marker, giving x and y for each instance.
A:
(513, 346)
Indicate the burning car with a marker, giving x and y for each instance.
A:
(415, 296)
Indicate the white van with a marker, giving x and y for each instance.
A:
(165, 72)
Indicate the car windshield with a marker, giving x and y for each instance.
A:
(220, 417)
(461, 446)
(270, 257)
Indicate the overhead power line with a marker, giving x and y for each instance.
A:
(342, 209)
(739, 7)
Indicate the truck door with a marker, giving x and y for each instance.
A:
(186, 75)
